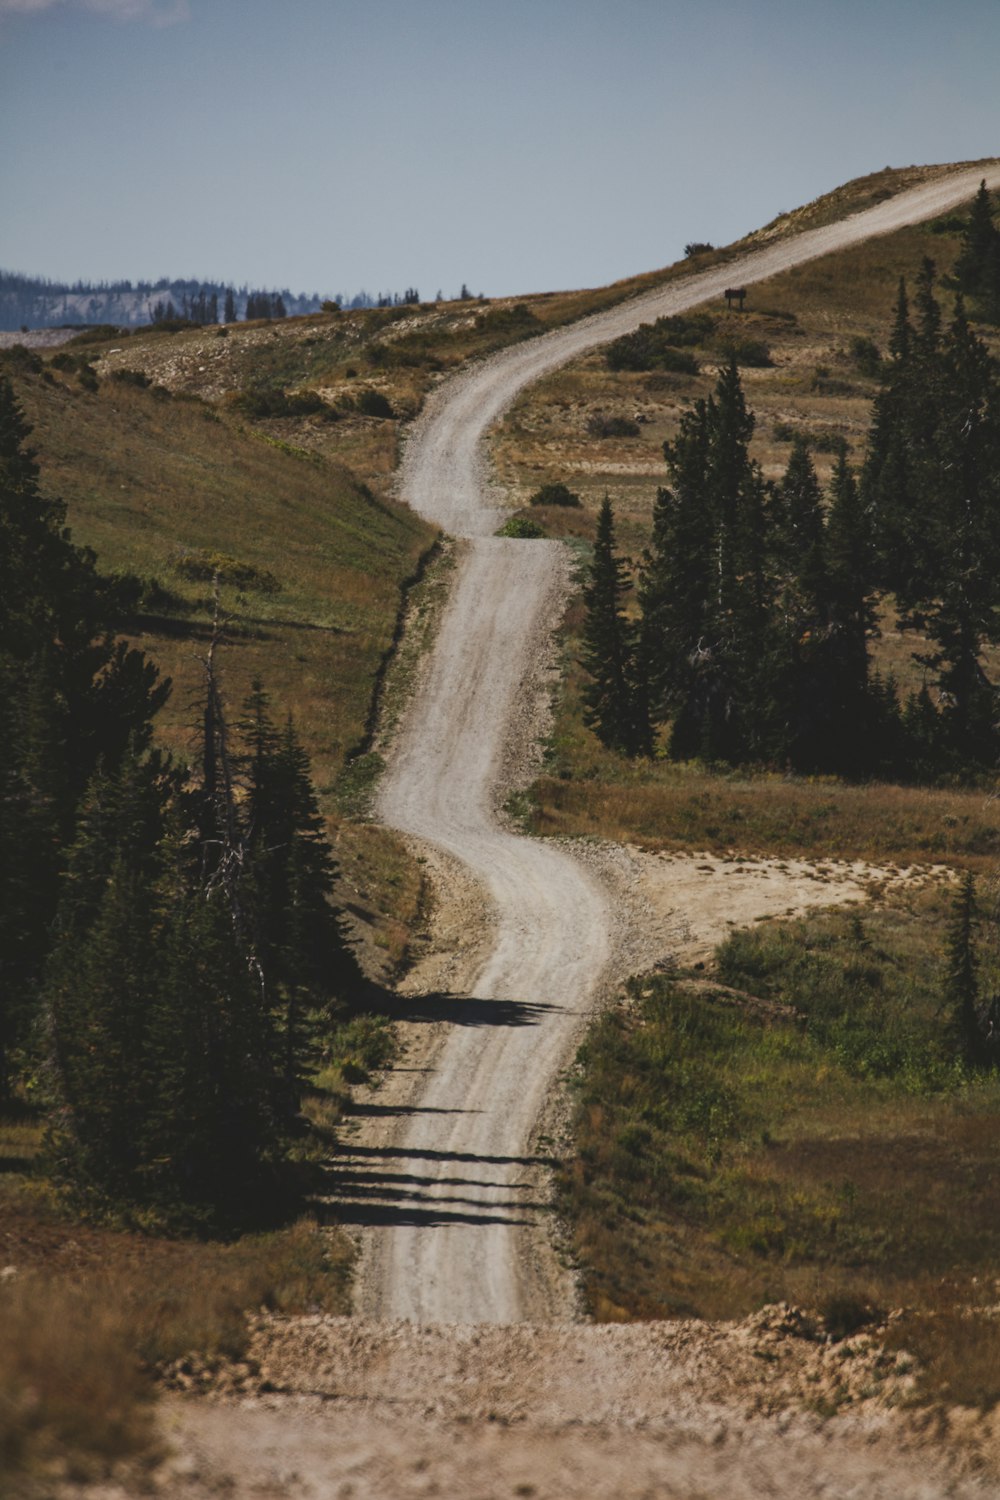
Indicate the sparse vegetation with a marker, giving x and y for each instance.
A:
(795, 1125)
(521, 526)
(554, 494)
(663, 345)
(92, 1317)
(601, 426)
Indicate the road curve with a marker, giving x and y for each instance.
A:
(458, 1187)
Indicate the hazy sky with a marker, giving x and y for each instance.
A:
(329, 145)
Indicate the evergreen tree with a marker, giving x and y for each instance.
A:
(961, 979)
(615, 706)
(309, 966)
(932, 482)
(707, 586)
(803, 656)
(229, 307)
(853, 723)
(676, 584)
(101, 975)
(70, 697)
(977, 270)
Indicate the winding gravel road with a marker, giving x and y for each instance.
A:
(456, 1193)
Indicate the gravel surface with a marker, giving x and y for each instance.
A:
(658, 1411)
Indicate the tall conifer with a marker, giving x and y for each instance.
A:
(614, 700)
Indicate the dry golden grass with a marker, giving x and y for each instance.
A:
(89, 1316)
(688, 808)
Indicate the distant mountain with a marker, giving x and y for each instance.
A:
(33, 302)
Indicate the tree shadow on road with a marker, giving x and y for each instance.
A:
(367, 1188)
(468, 1010)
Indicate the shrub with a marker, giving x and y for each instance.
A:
(661, 345)
(601, 426)
(747, 353)
(554, 494)
(267, 404)
(820, 441)
(205, 565)
(846, 1312)
(865, 354)
(371, 403)
(171, 325)
(21, 360)
(516, 319)
(520, 526)
(698, 247)
(131, 377)
(100, 333)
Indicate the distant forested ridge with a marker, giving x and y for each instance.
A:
(34, 302)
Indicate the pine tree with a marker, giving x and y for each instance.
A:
(851, 621)
(100, 978)
(932, 483)
(802, 657)
(676, 583)
(977, 270)
(961, 979)
(613, 698)
(707, 589)
(299, 935)
(229, 307)
(64, 681)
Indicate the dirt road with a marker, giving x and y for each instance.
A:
(445, 1165)
(453, 1186)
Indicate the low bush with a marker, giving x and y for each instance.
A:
(262, 405)
(814, 438)
(520, 526)
(369, 403)
(866, 356)
(20, 360)
(663, 345)
(517, 319)
(600, 426)
(751, 354)
(131, 377)
(554, 494)
(99, 333)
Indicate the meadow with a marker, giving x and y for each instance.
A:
(792, 1124)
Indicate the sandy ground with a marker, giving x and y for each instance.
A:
(464, 1374)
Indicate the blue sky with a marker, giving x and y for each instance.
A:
(329, 145)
